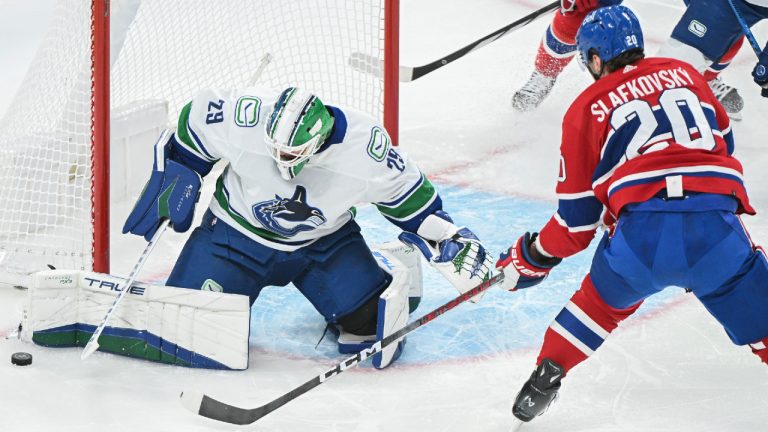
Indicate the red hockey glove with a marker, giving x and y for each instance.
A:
(519, 267)
(585, 6)
(580, 6)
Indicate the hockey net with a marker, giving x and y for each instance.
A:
(162, 51)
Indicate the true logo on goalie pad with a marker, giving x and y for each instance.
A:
(383, 260)
(113, 286)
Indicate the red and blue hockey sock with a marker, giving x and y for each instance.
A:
(581, 327)
(760, 348)
(558, 46)
(713, 71)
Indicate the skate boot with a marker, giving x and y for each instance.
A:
(538, 392)
(533, 92)
(729, 98)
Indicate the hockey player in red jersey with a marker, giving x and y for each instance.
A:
(557, 48)
(691, 41)
(646, 151)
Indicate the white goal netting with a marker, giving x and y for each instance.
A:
(161, 50)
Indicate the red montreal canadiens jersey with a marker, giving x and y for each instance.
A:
(631, 134)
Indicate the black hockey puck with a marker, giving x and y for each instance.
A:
(21, 359)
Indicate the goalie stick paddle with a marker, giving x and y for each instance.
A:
(93, 342)
(374, 66)
(207, 406)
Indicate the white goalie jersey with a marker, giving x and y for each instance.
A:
(357, 165)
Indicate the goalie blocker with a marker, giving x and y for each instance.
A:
(186, 327)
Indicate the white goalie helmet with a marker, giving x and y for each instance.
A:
(297, 127)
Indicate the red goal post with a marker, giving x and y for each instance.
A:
(107, 67)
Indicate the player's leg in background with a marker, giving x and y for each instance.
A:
(219, 258)
(557, 48)
(733, 284)
(344, 283)
(713, 71)
(708, 37)
(728, 96)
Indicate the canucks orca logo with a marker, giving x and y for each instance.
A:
(289, 216)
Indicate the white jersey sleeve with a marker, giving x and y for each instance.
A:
(206, 123)
(401, 192)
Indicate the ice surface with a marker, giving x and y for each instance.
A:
(669, 368)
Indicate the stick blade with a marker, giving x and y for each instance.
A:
(191, 400)
(366, 64)
(374, 66)
(206, 406)
(89, 349)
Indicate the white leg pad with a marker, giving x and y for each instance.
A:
(159, 323)
(411, 261)
(392, 313)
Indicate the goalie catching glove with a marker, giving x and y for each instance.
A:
(524, 265)
(455, 252)
(171, 193)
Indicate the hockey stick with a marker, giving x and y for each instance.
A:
(263, 63)
(750, 37)
(93, 342)
(374, 66)
(207, 406)
(745, 28)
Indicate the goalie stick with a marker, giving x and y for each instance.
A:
(93, 342)
(373, 66)
(207, 406)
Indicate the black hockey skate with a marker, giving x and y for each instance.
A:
(538, 392)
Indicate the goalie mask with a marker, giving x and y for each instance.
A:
(296, 128)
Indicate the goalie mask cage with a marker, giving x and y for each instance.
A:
(103, 57)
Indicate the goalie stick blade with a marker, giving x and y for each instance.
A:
(89, 349)
(373, 66)
(206, 406)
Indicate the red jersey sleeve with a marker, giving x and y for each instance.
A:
(573, 226)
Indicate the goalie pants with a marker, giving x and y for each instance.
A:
(663, 243)
(337, 273)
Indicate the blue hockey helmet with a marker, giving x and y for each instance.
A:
(610, 31)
